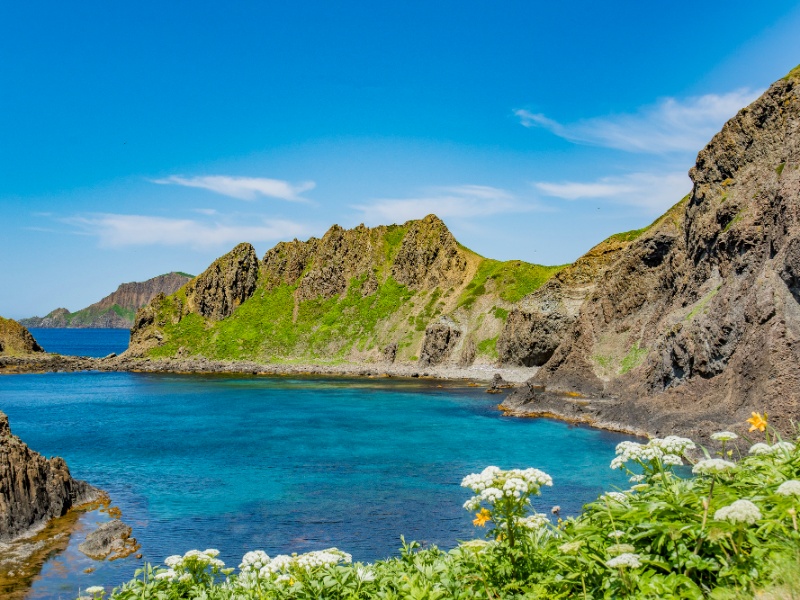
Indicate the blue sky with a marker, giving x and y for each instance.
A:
(146, 137)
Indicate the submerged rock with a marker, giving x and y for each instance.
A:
(112, 538)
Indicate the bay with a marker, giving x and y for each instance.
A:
(285, 464)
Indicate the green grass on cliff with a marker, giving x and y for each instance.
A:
(266, 328)
(512, 280)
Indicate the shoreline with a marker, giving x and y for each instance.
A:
(62, 363)
(640, 417)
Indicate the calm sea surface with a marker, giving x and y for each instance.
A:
(82, 342)
(285, 464)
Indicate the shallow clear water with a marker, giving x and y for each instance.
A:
(82, 342)
(285, 464)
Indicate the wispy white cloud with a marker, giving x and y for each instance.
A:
(652, 192)
(459, 202)
(119, 230)
(243, 188)
(672, 125)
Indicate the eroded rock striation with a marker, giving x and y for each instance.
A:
(698, 321)
(33, 489)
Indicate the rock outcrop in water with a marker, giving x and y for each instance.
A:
(16, 340)
(116, 310)
(698, 321)
(33, 489)
(402, 293)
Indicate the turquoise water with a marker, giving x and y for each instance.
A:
(286, 464)
(82, 342)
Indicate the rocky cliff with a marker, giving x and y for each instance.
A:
(33, 489)
(698, 321)
(116, 310)
(401, 292)
(16, 340)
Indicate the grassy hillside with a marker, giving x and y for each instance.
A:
(350, 295)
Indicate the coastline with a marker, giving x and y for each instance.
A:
(644, 417)
(60, 363)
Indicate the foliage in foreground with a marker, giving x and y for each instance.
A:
(729, 531)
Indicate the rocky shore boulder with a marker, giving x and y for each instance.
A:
(16, 340)
(33, 489)
(440, 340)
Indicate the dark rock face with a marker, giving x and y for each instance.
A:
(228, 282)
(390, 352)
(440, 338)
(699, 317)
(16, 340)
(536, 327)
(33, 489)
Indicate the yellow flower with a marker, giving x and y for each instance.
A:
(757, 422)
(482, 517)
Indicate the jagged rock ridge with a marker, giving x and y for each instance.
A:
(116, 310)
(699, 319)
(366, 294)
(33, 489)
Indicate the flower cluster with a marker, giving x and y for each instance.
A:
(493, 484)
(724, 436)
(741, 511)
(626, 560)
(258, 563)
(534, 522)
(762, 449)
(184, 568)
(712, 466)
(668, 451)
(789, 488)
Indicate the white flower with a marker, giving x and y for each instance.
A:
(760, 448)
(616, 497)
(185, 577)
(625, 560)
(672, 459)
(95, 589)
(616, 534)
(254, 561)
(173, 561)
(787, 488)
(493, 484)
(473, 503)
(364, 574)
(321, 558)
(724, 436)
(534, 522)
(741, 511)
(710, 466)
(168, 574)
(213, 553)
(672, 444)
(783, 447)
